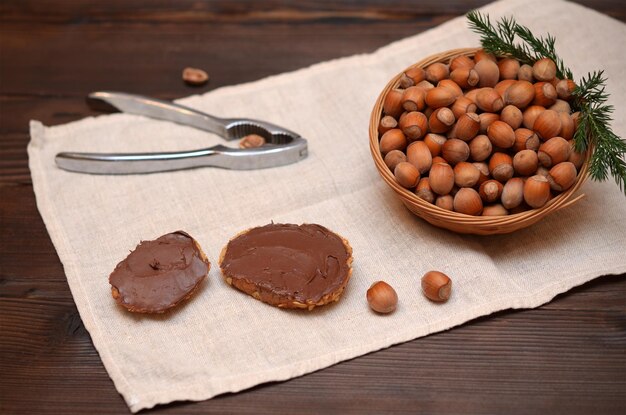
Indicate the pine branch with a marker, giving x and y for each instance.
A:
(589, 96)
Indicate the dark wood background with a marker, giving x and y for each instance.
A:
(568, 356)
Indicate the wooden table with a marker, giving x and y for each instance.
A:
(565, 357)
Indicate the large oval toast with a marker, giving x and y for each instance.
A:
(288, 266)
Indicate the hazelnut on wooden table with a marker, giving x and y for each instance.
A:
(195, 76)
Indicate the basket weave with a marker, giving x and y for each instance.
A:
(458, 222)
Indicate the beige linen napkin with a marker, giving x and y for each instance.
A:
(224, 341)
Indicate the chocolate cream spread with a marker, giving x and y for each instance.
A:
(159, 274)
(300, 262)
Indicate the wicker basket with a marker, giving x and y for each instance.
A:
(458, 222)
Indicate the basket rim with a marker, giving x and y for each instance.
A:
(560, 201)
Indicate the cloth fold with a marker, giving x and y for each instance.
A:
(224, 341)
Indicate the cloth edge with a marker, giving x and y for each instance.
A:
(201, 392)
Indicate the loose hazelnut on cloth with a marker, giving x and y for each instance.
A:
(436, 286)
(382, 298)
(159, 274)
(287, 265)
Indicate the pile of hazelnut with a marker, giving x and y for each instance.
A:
(481, 136)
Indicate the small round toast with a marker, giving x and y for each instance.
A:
(288, 266)
(159, 274)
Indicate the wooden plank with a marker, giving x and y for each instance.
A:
(74, 12)
(54, 69)
(186, 11)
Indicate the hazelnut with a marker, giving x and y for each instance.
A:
(486, 119)
(483, 169)
(489, 100)
(455, 150)
(525, 139)
(468, 201)
(419, 155)
(520, 94)
(464, 77)
(405, 81)
(501, 167)
(575, 157)
(439, 97)
(525, 162)
(386, 123)
(481, 54)
(512, 116)
(490, 191)
(466, 174)
(467, 126)
(445, 202)
(508, 68)
(525, 73)
(425, 85)
(392, 104)
(561, 106)
(393, 139)
(434, 142)
(441, 120)
(382, 298)
(562, 176)
(393, 158)
(461, 61)
(413, 124)
(488, 73)
(463, 105)
(530, 115)
(436, 286)
(441, 178)
(567, 126)
(437, 71)
(545, 94)
(495, 210)
(554, 151)
(544, 69)
(512, 193)
(252, 141)
(501, 134)
(439, 159)
(195, 76)
(503, 85)
(416, 73)
(406, 175)
(414, 99)
(536, 191)
(451, 86)
(565, 88)
(547, 124)
(423, 190)
(480, 148)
